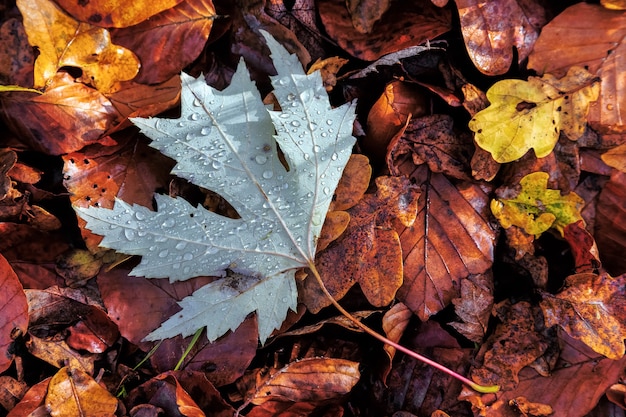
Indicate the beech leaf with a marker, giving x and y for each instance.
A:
(531, 114)
(537, 208)
(225, 141)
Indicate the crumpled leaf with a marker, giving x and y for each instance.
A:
(67, 117)
(223, 142)
(474, 307)
(403, 25)
(310, 379)
(592, 36)
(450, 239)
(537, 208)
(168, 42)
(369, 251)
(13, 310)
(394, 322)
(530, 114)
(116, 13)
(591, 309)
(492, 28)
(63, 41)
(583, 246)
(72, 392)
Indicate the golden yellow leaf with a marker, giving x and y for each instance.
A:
(530, 114)
(72, 392)
(63, 41)
(616, 157)
(537, 208)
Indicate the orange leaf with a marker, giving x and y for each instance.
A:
(32, 400)
(65, 42)
(115, 13)
(592, 309)
(450, 240)
(168, 42)
(588, 35)
(311, 379)
(186, 405)
(404, 25)
(64, 119)
(492, 28)
(369, 251)
(394, 323)
(72, 392)
(353, 184)
(13, 310)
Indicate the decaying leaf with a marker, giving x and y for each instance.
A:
(610, 230)
(63, 41)
(591, 308)
(224, 142)
(474, 306)
(311, 380)
(369, 251)
(530, 114)
(536, 208)
(491, 29)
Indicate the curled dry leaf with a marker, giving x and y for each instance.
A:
(13, 310)
(369, 251)
(404, 24)
(474, 306)
(591, 308)
(168, 42)
(67, 117)
(115, 13)
(32, 400)
(395, 321)
(72, 392)
(309, 380)
(594, 37)
(328, 69)
(450, 239)
(390, 113)
(583, 246)
(491, 29)
(65, 42)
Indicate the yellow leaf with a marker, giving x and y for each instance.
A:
(530, 114)
(616, 157)
(72, 392)
(537, 208)
(63, 41)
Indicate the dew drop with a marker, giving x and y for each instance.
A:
(141, 233)
(609, 107)
(334, 156)
(163, 253)
(295, 123)
(329, 122)
(216, 164)
(194, 116)
(129, 233)
(260, 159)
(268, 174)
(326, 190)
(188, 256)
(291, 97)
(205, 130)
(306, 156)
(169, 222)
(181, 245)
(317, 148)
(197, 102)
(140, 216)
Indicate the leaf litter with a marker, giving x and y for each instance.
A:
(565, 281)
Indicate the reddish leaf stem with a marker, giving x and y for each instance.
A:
(476, 387)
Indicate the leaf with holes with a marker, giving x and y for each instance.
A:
(226, 141)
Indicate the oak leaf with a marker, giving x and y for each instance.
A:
(591, 309)
(65, 42)
(225, 142)
(530, 114)
(537, 208)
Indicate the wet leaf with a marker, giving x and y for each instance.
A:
(32, 400)
(588, 35)
(72, 392)
(168, 42)
(311, 380)
(13, 310)
(63, 41)
(591, 309)
(450, 240)
(530, 114)
(491, 29)
(610, 230)
(369, 251)
(403, 25)
(536, 208)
